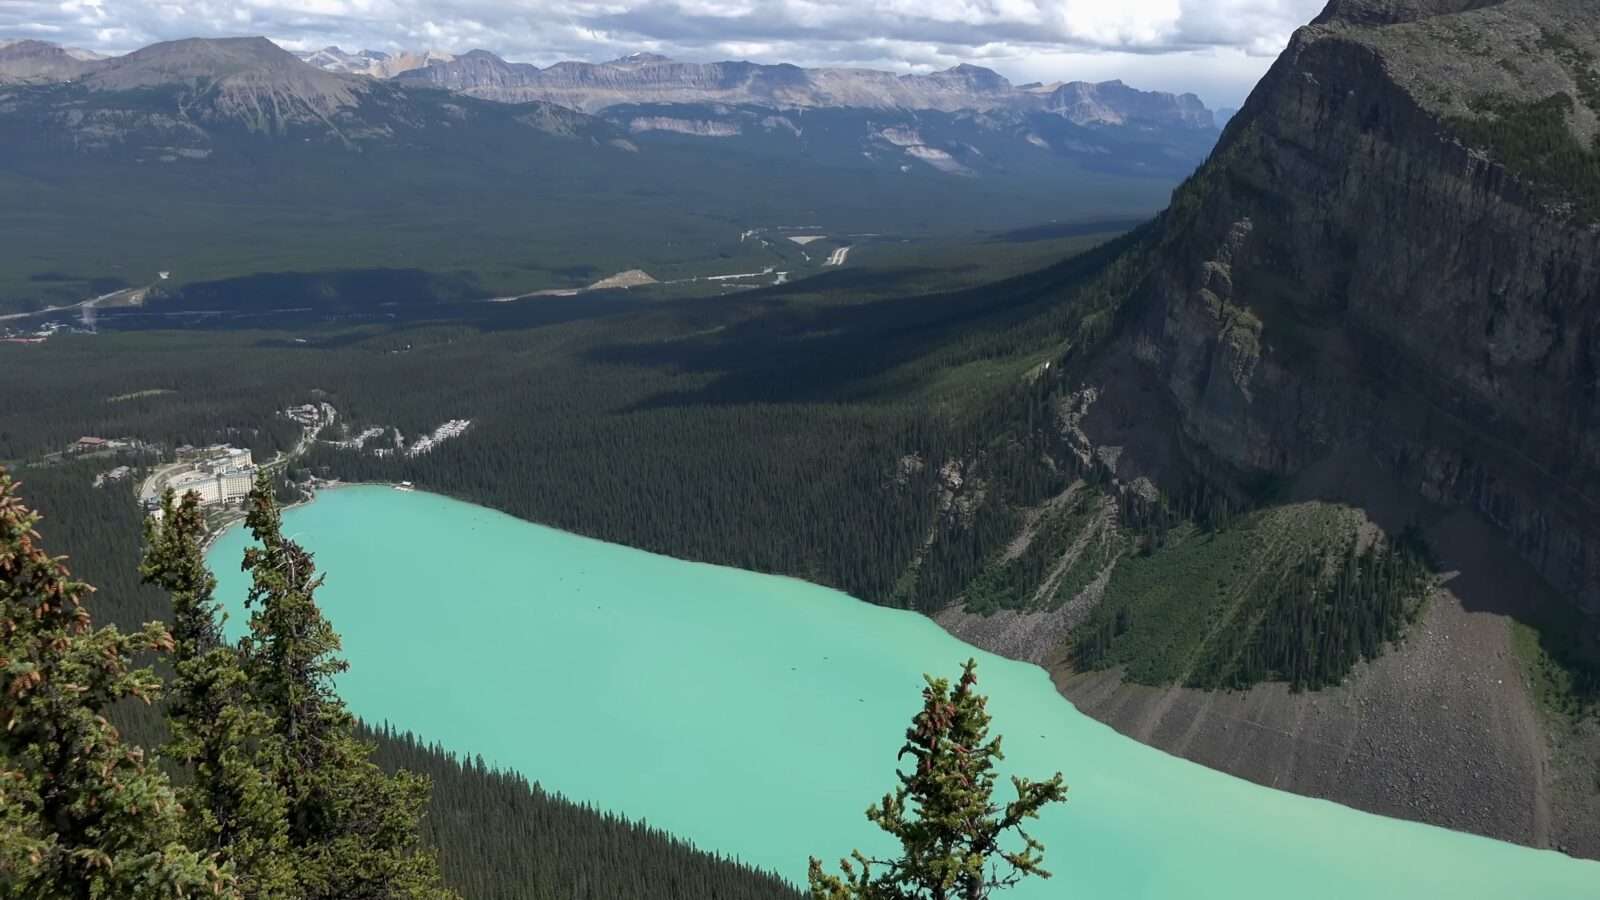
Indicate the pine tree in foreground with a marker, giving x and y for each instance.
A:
(82, 814)
(354, 831)
(944, 814)
(218, 731)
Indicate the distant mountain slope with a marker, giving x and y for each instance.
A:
(965, 121)
(1114, 103)
(637, 79)
(652, 79)
(174, 99)
(241, 158)
(656, 79)
(188, 99)
(37, 62)
(248, 80)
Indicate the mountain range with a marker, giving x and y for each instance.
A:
(643, 78)
(185, 99)
(966, 121)
(653, 79)
(214, 131)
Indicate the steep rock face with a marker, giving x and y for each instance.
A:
(1374, 296)
(1347, 269)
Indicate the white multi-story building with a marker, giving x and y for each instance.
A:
(220, 485)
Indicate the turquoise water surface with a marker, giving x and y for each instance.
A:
(759, 716)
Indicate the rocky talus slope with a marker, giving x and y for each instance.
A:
(1382, 292)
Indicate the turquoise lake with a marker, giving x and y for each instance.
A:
(759, 716)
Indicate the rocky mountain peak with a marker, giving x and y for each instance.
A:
(250, 81)
(211, 59)
(974, 77)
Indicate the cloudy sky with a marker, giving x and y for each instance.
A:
(1216, 48)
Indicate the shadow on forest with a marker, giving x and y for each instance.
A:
(795, 351)
(1066, 230)
(1476, 559)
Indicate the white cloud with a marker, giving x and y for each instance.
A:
(1217, 48)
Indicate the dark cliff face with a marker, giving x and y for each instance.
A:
(1348, 271)
(1380, 295)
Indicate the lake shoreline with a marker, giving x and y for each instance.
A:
(1063, 689)
(236, 516)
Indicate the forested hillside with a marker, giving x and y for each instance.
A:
(906, 446)
(802, 429)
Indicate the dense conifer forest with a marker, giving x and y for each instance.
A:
(860, 430)
(498, 836)
(764, 431)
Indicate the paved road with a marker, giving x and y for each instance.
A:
(157, 480)
(133, 295)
